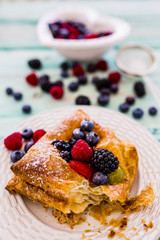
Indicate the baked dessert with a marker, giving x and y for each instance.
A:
(47, 176)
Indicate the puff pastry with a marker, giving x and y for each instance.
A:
(43, 176)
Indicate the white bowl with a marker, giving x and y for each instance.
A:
(84, 49)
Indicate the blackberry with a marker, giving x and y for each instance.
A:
(65, 65)
(91, 67)
(72, 141)
(55, 140)
(44, 82)
(61, 145)
(82, 100)
(35, 64)
(66, 155)
(103, 83)
(139, 89)
(104, 161)
(57, 83)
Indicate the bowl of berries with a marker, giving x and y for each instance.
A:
(80, 33)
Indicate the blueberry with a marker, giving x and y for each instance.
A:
(26, 109)
(82, 100)
(18, 96)
(35, 63)
(105, 91)
(54, 28)
(82, 80)
(95, 80)
(114, 88)
(138, 113)
(78, 134)
(9, 91)
(152, 111)
(65, 65)
(87, 125)
(103, 83)
(130, 100)
(44, 79)
(73, 86)
(27, 133)
(64, 74)
(28, 146)
(16, 155)
(103, 100)
(100, 178)
(91, 67)
(124, 107)
(64, 32)
(92, 138)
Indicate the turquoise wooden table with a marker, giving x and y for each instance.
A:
(19, 43)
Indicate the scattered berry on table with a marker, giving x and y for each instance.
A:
(78, 70)
(74, 63)
(66, 155)
(87, 125)
(82, 80)
(138, 113)
(130, 100)
(139, 89)
(78, 134)
(82, 100)
(92, 138)
(114, 88)
(28, 146)
(103, 83)
(27, 109)
(64, 74)
(38, 134)
(18, 96)
(82, 168)
(95, 80)
(91, 68)
(44, 81)
(104, 161)
(105, 91)
(32, 79)
(57, 83)
(35, 64)
(9, 91)
(73, 86)
(27, 133)
(100, 178)
(114, 77)
(13, 141)
(81, 151)
(16, 155)
(57, 92)
(65, 65)
(102, 65)
(124, 107)
(103, 100)
(152, 111)
(117, 176)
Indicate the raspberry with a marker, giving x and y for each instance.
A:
(56, 92)
(102, 65)
(13, 141)
(91, 35)
(81, 151)
(78, 70)
(38, 134)
(32, 79)
(82, 168)
(114, 77)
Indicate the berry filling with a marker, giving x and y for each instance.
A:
(74, 30)
(100, 166)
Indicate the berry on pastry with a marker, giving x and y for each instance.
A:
(38, 134)
(81, 151)
(82, 168)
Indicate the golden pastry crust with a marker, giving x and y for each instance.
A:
(43, 168)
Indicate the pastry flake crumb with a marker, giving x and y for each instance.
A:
(134, 228)
(83, 236)
(112, 233)
(121, 223)
(146, 227)
(143, 221)
(120, 235)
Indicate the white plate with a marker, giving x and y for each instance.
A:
(22, 219)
